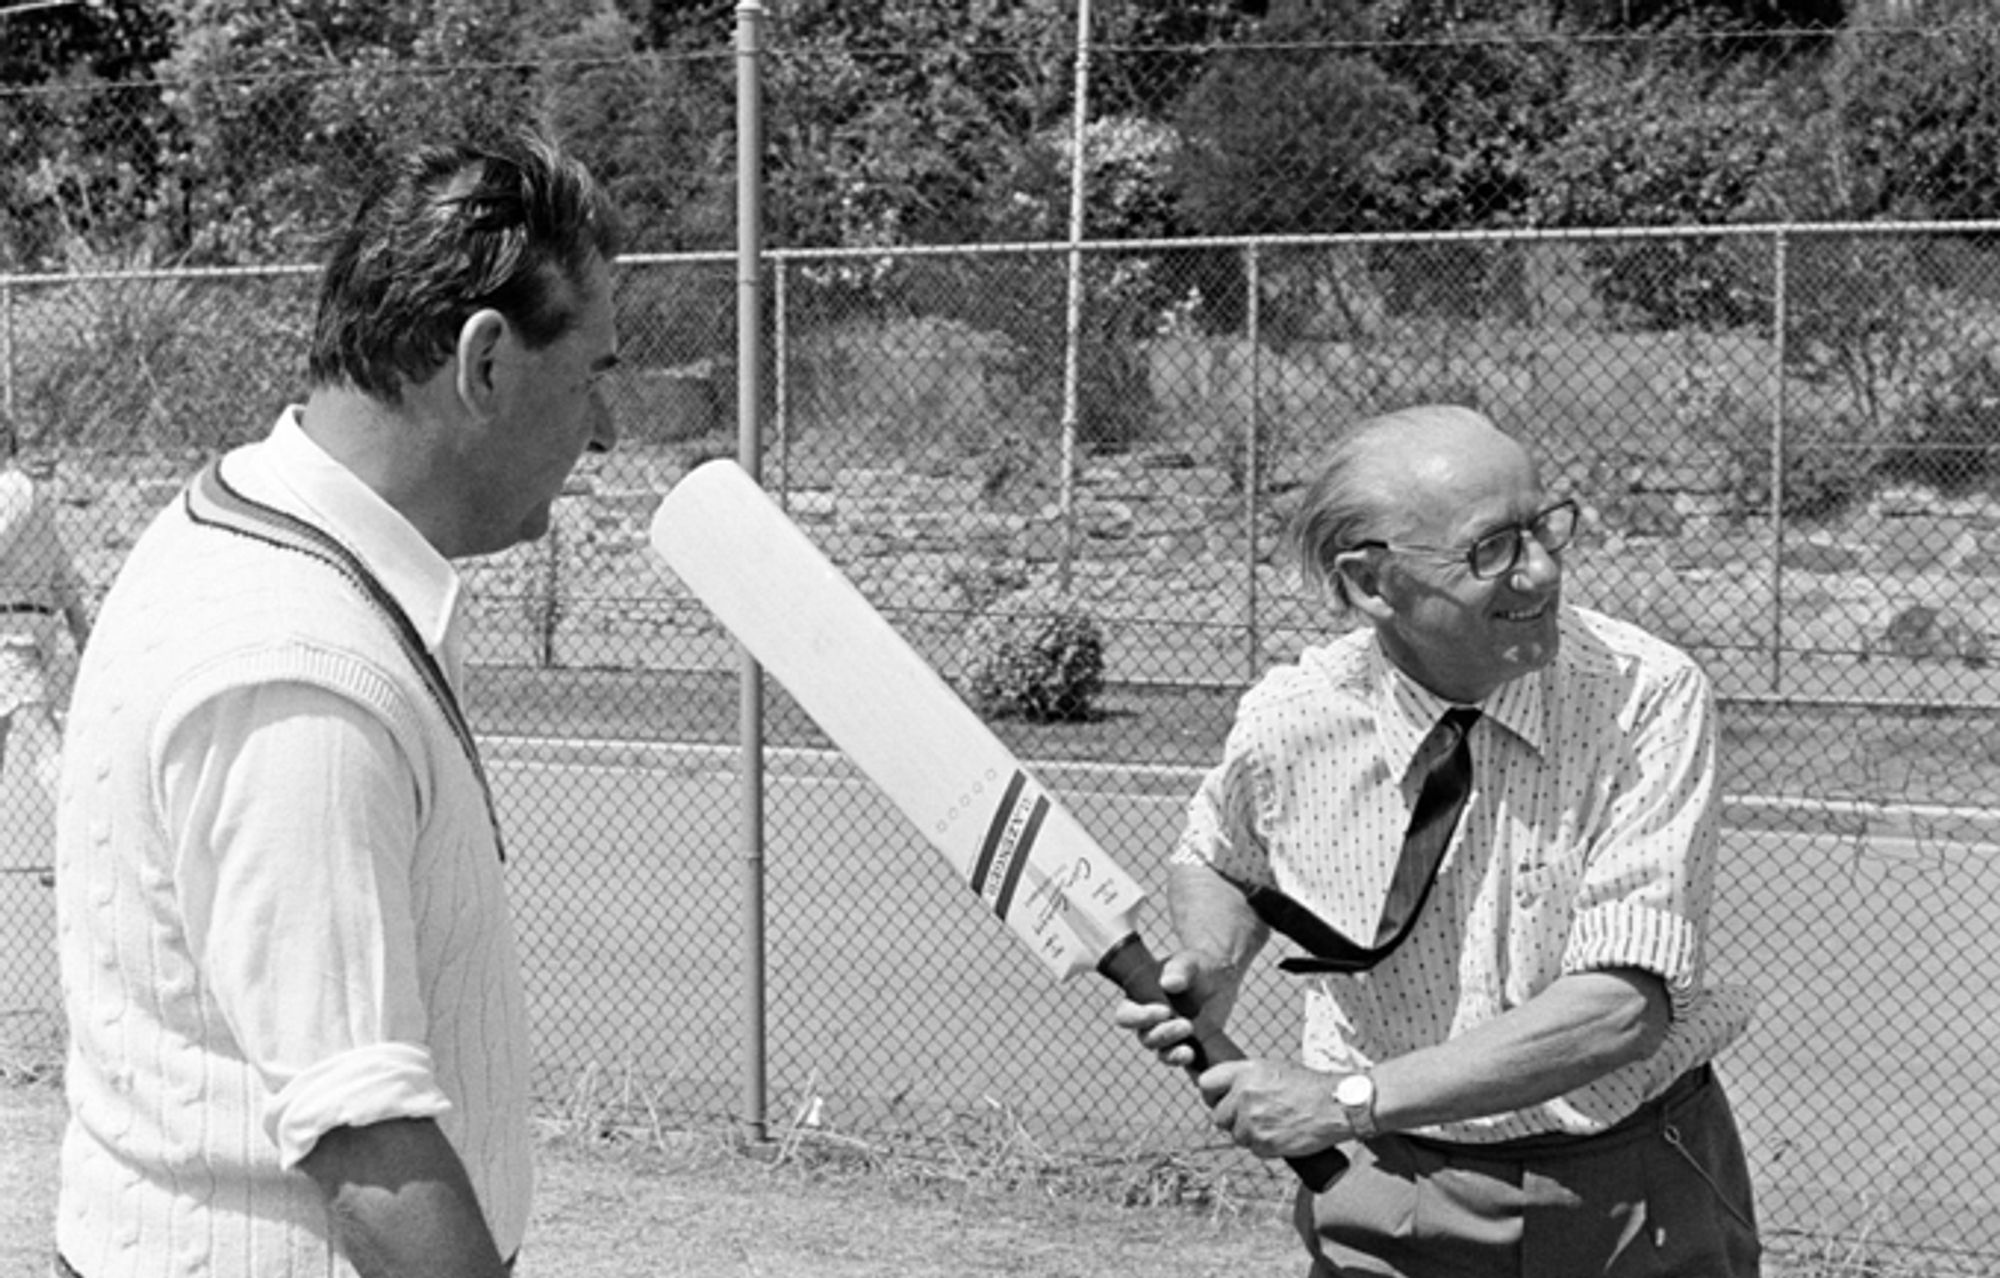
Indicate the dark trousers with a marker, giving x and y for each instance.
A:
(1664, 1194)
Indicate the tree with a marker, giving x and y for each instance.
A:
(282, 110)
(1633, 15)
(111, 40)
(79, 159)
(1297, 132)
(895, 123)
(657, 129)
(1662, 135)
(1919, 119)
(1145, 57)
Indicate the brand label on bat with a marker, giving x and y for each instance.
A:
(1010, 841)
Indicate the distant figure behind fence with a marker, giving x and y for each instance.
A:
(39, 592)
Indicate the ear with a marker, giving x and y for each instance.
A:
(1363, 574)
(479, 340)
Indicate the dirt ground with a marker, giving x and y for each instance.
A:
(703, 1210)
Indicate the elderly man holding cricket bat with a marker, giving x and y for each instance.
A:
(1486, 820)
(297, 1042)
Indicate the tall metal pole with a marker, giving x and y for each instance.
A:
(7, 350)
(750, 693)
(1073, 321)
(781, 405)
(1781, 286)
(1253, 457)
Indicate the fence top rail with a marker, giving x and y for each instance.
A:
(274, 270)
(1497, 235)
(1748, 230)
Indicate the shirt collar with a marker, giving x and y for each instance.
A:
(422, 581)
(1407, 711)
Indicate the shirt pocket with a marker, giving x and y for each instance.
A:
(1543, 902)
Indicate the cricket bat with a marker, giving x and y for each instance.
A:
(1022, 853)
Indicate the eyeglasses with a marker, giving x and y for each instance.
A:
(1498, 553)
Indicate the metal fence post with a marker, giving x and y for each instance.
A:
(1073, 316)
(546, 609)
(780, 363)
(1780, 283)
(750, 690)
(7, 348)
(1253, 470)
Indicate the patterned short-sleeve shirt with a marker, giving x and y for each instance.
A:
(1589, 842)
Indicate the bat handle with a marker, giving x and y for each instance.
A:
(1134, 969)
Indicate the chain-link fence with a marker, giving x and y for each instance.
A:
(1776, 392)
(1823, 540)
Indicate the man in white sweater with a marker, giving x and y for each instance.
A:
(297, 1042)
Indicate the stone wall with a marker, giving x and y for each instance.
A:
(1899, 600)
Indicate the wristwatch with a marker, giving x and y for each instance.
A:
(1355, 1094)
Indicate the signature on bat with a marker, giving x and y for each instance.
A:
(1056, 894)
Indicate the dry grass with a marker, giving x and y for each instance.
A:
(613, 1200)
(621, 1193)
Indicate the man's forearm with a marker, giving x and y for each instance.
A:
(1575, 1032)
(401, 1204)
(1214, 922)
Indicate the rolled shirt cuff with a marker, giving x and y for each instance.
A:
(354, 1089)
(1630, 935)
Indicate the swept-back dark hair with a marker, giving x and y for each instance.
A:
(447, 231)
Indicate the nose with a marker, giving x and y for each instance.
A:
(1538, 566)
(603, 430)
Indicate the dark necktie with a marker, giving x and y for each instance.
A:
(1444, 764)
(1444, 761)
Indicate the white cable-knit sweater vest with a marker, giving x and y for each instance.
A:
(166, 1166)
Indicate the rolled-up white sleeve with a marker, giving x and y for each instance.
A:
(1645, 895)
(293, 817)
(1222, 829)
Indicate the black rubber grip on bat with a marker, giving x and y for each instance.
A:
(1132, 967)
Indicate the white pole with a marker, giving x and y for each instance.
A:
(1073, 321)
(750, 690)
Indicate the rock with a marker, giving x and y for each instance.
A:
(1821, 556)
(1923, 633)
(1649, 514)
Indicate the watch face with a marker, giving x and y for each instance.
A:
(1355, 1089)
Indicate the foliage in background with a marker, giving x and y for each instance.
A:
(656, 128)
(231, 131)
(1295, 133)
(78, 160)
(1036, 654)
(895, 123)
(1918, 120)
(224, 130)
(159, 365)
(1951, 438)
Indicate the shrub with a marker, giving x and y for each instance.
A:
(143, 364)
(1952, 434)
(1035, 655)
(1830, 457)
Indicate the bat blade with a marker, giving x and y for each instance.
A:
(1022, 853)
(1029, 861)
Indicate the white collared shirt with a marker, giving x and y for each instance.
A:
(1589, 842)
(423, 582)
(280, 898)
(267, 737)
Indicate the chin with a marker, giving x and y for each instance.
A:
(1536, 654)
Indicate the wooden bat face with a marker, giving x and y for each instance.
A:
(895, 717)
